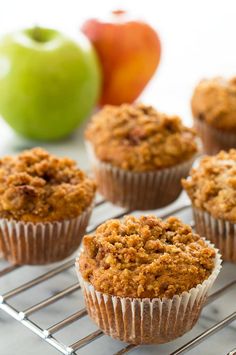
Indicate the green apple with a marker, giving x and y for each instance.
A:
(49, 82)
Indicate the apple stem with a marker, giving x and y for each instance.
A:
(118, 12)
(36, 33)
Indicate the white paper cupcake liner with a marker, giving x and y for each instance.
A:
(147, 321)
(222, 233)
(138, 191)
(41, 243)
(214, 139)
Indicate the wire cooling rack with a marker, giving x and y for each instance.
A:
(50, 335)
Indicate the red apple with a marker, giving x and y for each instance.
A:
(129, 53)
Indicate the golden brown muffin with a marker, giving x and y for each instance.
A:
(139, 155)
(145, 280)
(212, 190)
(45, 206)
(212, 186)
(138, 138)
(37, 186)
(145, 257)
(214, 111)
(214, 101)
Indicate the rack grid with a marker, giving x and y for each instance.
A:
(49, 334)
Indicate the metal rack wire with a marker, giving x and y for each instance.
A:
(48, 334)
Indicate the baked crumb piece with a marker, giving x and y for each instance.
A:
(138, 138)
(212, 186)
(38, 186)
(145, 257)
(214, 101)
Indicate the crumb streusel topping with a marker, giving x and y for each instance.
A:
(138, 138)
(145, 257)
(214, 101)
(37, 186)
(212, 186)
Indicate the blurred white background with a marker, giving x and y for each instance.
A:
(198, 40)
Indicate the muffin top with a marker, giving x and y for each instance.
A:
(145, 257)
(138, 138)
(214, 101)
(212, 186)
(37, 186)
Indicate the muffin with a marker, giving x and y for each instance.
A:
(212, 190)
(139, 155)
(45, 205)
(145, 280)
(214, 111)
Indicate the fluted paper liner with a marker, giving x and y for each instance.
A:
(214, 139)
(147, 321)
(138, 190)
(221, 232)
(41, 243)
